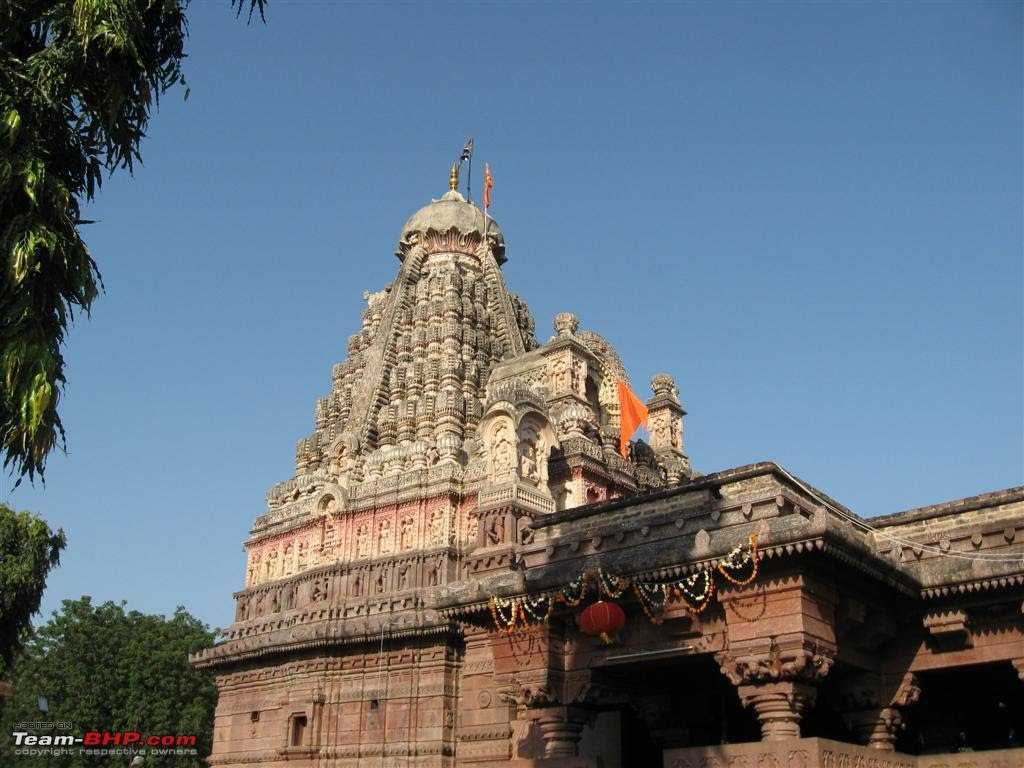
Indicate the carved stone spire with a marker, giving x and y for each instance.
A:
(448, 429)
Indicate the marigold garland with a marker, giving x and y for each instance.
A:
(695, 591)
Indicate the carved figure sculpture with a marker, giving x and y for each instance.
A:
(363, 540)
(403, 577)
(406, 536)
(496, 529)
(385, 539)
(504, 451)
(437, 527)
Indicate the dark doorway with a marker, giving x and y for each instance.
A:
(966, 709)
(676, 702)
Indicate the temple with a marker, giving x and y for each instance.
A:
(413, 594)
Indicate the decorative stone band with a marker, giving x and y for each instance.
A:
(695, 592)
(977, 585)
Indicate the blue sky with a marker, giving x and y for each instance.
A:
(809, 214)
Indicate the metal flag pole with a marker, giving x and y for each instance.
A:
(467, 156)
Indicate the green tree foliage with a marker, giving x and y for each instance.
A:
(78, 82)
(104, 668)
(28, 550)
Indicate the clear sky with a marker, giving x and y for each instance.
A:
(809, 214)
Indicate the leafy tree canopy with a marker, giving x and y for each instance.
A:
(104, 668)
(28, 550)
(78, 81)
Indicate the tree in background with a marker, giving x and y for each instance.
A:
(28, 551)
(102, 668)
(78, 80)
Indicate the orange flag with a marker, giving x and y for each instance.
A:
(632, 413)
(488, 185)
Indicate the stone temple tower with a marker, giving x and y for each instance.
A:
(445, 433)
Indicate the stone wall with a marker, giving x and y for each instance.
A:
(352, 708)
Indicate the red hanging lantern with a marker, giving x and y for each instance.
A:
(603, 619)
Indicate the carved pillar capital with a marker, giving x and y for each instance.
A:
(794, 658)
(776, 678)
(778, 707)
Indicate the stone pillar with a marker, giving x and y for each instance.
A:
(778, 707)
(560, 728)
(874, 707)
(776, 678)
(877, 728)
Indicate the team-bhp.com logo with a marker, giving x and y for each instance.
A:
(102, 743)
(104, 739)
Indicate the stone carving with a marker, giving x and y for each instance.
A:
(777, 663)
(434, 573)
(437, 527)
(272, 565)
(503, 451)
(528, 468)
(318, 590)
(578, 377)
(560, 374)
(407, 532)
(496, 529)
(531, 449)
(566, 324)
(363, 540)
(385, 538)
(472, 529)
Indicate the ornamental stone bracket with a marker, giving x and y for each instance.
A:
(776, 678)
(875, 707)
(948, 628)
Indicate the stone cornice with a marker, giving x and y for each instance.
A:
(313, 638)
(955, 507)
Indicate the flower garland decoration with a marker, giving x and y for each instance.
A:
(696, 591)
(611, 586)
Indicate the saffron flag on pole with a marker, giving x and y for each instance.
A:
(632, 413)
(488, 185)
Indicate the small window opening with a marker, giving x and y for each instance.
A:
(254, 716)
(298, 730)
(374, 705)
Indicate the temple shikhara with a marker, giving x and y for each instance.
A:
(467, 569)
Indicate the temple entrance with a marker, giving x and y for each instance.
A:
(661, 703)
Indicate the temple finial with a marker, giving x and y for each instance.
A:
(453, 177)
